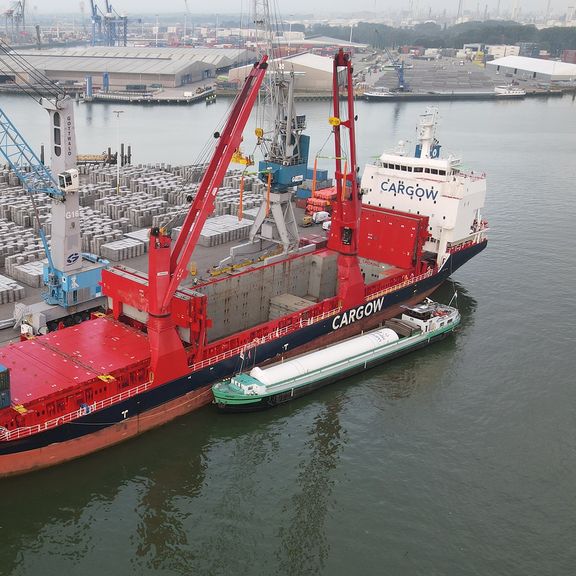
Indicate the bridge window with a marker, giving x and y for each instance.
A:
(427, 170)
(433, 171)
(418, 168)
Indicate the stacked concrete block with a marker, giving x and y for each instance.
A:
(142, 236)
(16, 240)
(122, 249)
(10, 291)
(28, 269)
(138, 208)
(172, 214)
(284, 304)
(223, 229)
(93, 242)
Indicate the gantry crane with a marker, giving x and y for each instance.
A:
(71, 279)
(174, 317)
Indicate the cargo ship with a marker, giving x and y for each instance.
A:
(394, 238)
(261, 388)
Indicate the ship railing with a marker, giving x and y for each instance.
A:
(474, 175)
(24, 431)
(273, 335)
(404, 283)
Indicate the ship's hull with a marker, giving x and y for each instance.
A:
(318, 380)
(161, 404)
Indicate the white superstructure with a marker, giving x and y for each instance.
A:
(428, 185)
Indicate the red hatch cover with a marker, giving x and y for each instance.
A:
(72, 356)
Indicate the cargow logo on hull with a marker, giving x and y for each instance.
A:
(356, 314)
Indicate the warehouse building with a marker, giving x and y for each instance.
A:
(520, 68)
(127, 67)
(313, 73)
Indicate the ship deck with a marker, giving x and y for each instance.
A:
(68, 358)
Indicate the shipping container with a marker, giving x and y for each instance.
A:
(4, 378)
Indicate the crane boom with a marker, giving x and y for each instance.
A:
(168, 358)
(203, 203)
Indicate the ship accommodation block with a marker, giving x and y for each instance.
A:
(451, 198)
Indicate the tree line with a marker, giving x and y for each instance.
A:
(431, 35)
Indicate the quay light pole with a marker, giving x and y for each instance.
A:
(118, 158)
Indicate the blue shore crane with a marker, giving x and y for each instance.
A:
(72, 278)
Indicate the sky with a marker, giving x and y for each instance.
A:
(288, 7)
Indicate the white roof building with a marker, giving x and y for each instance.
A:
(533, 69)
(312, 73)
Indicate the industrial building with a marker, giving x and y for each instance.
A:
(127, 67)
(313, 73)
(533, 69)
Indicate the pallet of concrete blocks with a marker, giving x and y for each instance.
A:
(122, 249)
(223, 229)
(10, 291)
(27, 269)
(285, 304)
(181, 195)
(89, 193)
(98, 240)
(172, 216)
(14, 239)
(142, 235)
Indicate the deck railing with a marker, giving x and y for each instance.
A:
(7, 435)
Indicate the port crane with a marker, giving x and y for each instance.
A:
(72, 279)
(398, 66)
(174, 316)
(285, 149)
(108, 27)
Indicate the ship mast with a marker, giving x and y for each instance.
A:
(427, 144)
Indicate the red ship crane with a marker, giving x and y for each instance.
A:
(346, 210)
(158, 295)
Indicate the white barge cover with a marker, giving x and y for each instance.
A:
(308, 363)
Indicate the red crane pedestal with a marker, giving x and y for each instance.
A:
(168, 359)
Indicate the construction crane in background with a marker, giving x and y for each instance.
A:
(186, 16)
(109, 28)
(398, 66)
(15, 20)
(96, 18)
(72, 279)
(115, 27)
(284, 147)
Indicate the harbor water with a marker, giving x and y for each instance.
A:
(457, 460)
